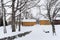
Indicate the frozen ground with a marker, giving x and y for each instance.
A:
(38, 32)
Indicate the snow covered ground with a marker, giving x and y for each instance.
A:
(38, 32)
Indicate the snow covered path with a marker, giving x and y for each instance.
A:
(38, 33)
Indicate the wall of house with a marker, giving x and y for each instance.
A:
(44, 22)
(41, 22)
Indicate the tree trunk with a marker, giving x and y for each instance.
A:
(3, 12)
(53, 27)
(13, 16)
(51, 21)
(19, 21)
(37, 21)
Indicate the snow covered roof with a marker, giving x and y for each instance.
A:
(28, 20)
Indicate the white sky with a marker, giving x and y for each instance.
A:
(34, 10)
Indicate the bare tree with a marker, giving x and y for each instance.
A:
(56, 10)
(4, 15)
(24, 6)
(49, 5)
(21, 6)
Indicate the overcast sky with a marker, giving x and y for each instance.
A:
(34, 10)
